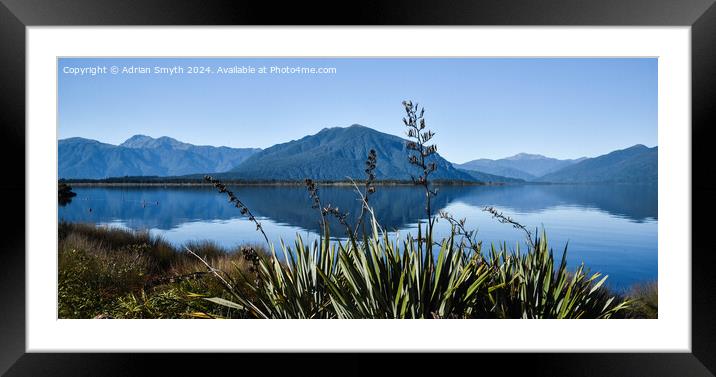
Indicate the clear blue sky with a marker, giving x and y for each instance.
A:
(478, 107)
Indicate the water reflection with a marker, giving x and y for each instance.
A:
(395, 206)
(612, 228)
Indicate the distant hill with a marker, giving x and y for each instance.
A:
(337, 153)
(491, 178)
(637, 164)
(492, 167)
(523, 166)
(141, 155)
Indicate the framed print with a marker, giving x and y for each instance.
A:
(535, 181)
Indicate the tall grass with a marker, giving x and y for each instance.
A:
(108, 272)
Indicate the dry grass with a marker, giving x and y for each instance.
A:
(120, 273)
(646, 300)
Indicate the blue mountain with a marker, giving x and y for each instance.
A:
(141, 155)
(522, 166)
(636, 164)
(491, 167)
(490, 178)
(339, 153)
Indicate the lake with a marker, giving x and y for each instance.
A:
(612, 228)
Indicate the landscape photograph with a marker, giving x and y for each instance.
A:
(357, 188)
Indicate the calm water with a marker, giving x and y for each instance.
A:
(613, 229)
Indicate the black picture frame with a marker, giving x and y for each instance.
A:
(16, 15)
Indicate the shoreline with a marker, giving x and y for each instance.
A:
(90, 183)
(208, 184)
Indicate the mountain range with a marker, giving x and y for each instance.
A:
(522, 166)
(636, 164)
(142, 155)
(336, 154)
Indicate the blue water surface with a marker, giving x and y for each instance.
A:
(611, 228)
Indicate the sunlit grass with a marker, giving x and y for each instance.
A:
(116, 273)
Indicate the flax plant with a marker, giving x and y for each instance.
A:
(527, 285)
(396, 279)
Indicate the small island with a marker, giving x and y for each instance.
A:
(64, 193)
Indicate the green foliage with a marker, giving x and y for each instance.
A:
(293, 289)
(526, 285)
(379, 278)
(87, 282)
(171, 301)
(162, 304)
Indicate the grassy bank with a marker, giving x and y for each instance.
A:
(114, 273)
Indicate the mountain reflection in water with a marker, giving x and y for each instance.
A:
(610, 227)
